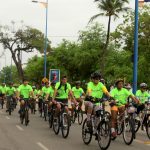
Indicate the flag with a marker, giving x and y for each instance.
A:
(141, 3)
(44, 4)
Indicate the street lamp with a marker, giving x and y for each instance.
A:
(46, 28)
(135, 65)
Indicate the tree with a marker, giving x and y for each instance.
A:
(109, 8)
(26, 39)
(123, 38)
(9, 74)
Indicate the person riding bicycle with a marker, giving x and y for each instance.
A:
(24, 93)
(61, 93)
(2, 93)
(143, 96)
(95, 90)
(78, 93)
(10, 93)
(120, 96)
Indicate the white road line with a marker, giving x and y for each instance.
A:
(42, 146)
(19, 128)
(7, 117)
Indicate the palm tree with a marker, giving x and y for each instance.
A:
(109, 8)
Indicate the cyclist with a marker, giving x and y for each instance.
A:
(78, 93)
(61, 93)
(95, 89)
(143, 96)
(10, 92)
(24, 93)
(2, 93)
(121, 95)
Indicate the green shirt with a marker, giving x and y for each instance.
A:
(50, 92)
(142, 96)
(77, 92)
(3, 89)
(25, 90)
(10, 91)
(121, 95)
(45, 90)
(35, 92)
(61, 92)
(96, 90)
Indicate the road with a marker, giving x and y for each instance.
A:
(38, 136)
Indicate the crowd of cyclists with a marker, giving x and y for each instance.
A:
(59, 102)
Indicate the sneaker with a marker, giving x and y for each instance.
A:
(137, 118)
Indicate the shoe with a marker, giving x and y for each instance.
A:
(137, 118)
(7, 110)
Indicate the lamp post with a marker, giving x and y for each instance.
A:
(46, 29)
(135, 65)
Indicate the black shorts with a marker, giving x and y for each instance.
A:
(64, 101)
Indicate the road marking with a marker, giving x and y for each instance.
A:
(143, 142)
(7, 117)
(42, 146)
(19, 128)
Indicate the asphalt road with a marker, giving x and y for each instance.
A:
(38, 136)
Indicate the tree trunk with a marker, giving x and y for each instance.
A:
(18, 65)
(103, 62)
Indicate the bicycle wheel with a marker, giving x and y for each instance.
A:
(104, 135)
(80, 117)
(128, 132)
(56, 124)
(65, 125)
(50, 119)
(148, 129)
(45, 112)
(120, 127)
(26, 117)
(137, 125)
(86, 133)
(9, 109)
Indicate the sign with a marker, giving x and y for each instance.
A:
(44, 80)
(54, 75)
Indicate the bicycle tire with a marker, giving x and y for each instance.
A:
(80, 117)
(26, 117)
(65, 125)
(132, 130)
(103, 131)
(45, 112)
(85, 131)
(56, 124)
(50, 120)
(148, 129)
(137, 125)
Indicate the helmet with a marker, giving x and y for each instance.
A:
(143, 85)
(96, 75)
(119, 80)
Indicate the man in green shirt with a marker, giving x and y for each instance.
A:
(24, 93)
(61, 93)
(95, 90)
(78, 93)
(120, 95)
(10, 93)
(2, 93)
(143, 96)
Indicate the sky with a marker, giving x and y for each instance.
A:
(65, 19)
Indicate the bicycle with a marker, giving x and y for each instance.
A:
(11, 104)
(24, 113)
(126, 123)
(45, 109)
(100, 127)
(144, 119)
(62, 121)
(77, 114)
(32, 106)
(51, 115)
(2, 98)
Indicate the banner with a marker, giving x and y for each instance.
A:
(54, 75)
